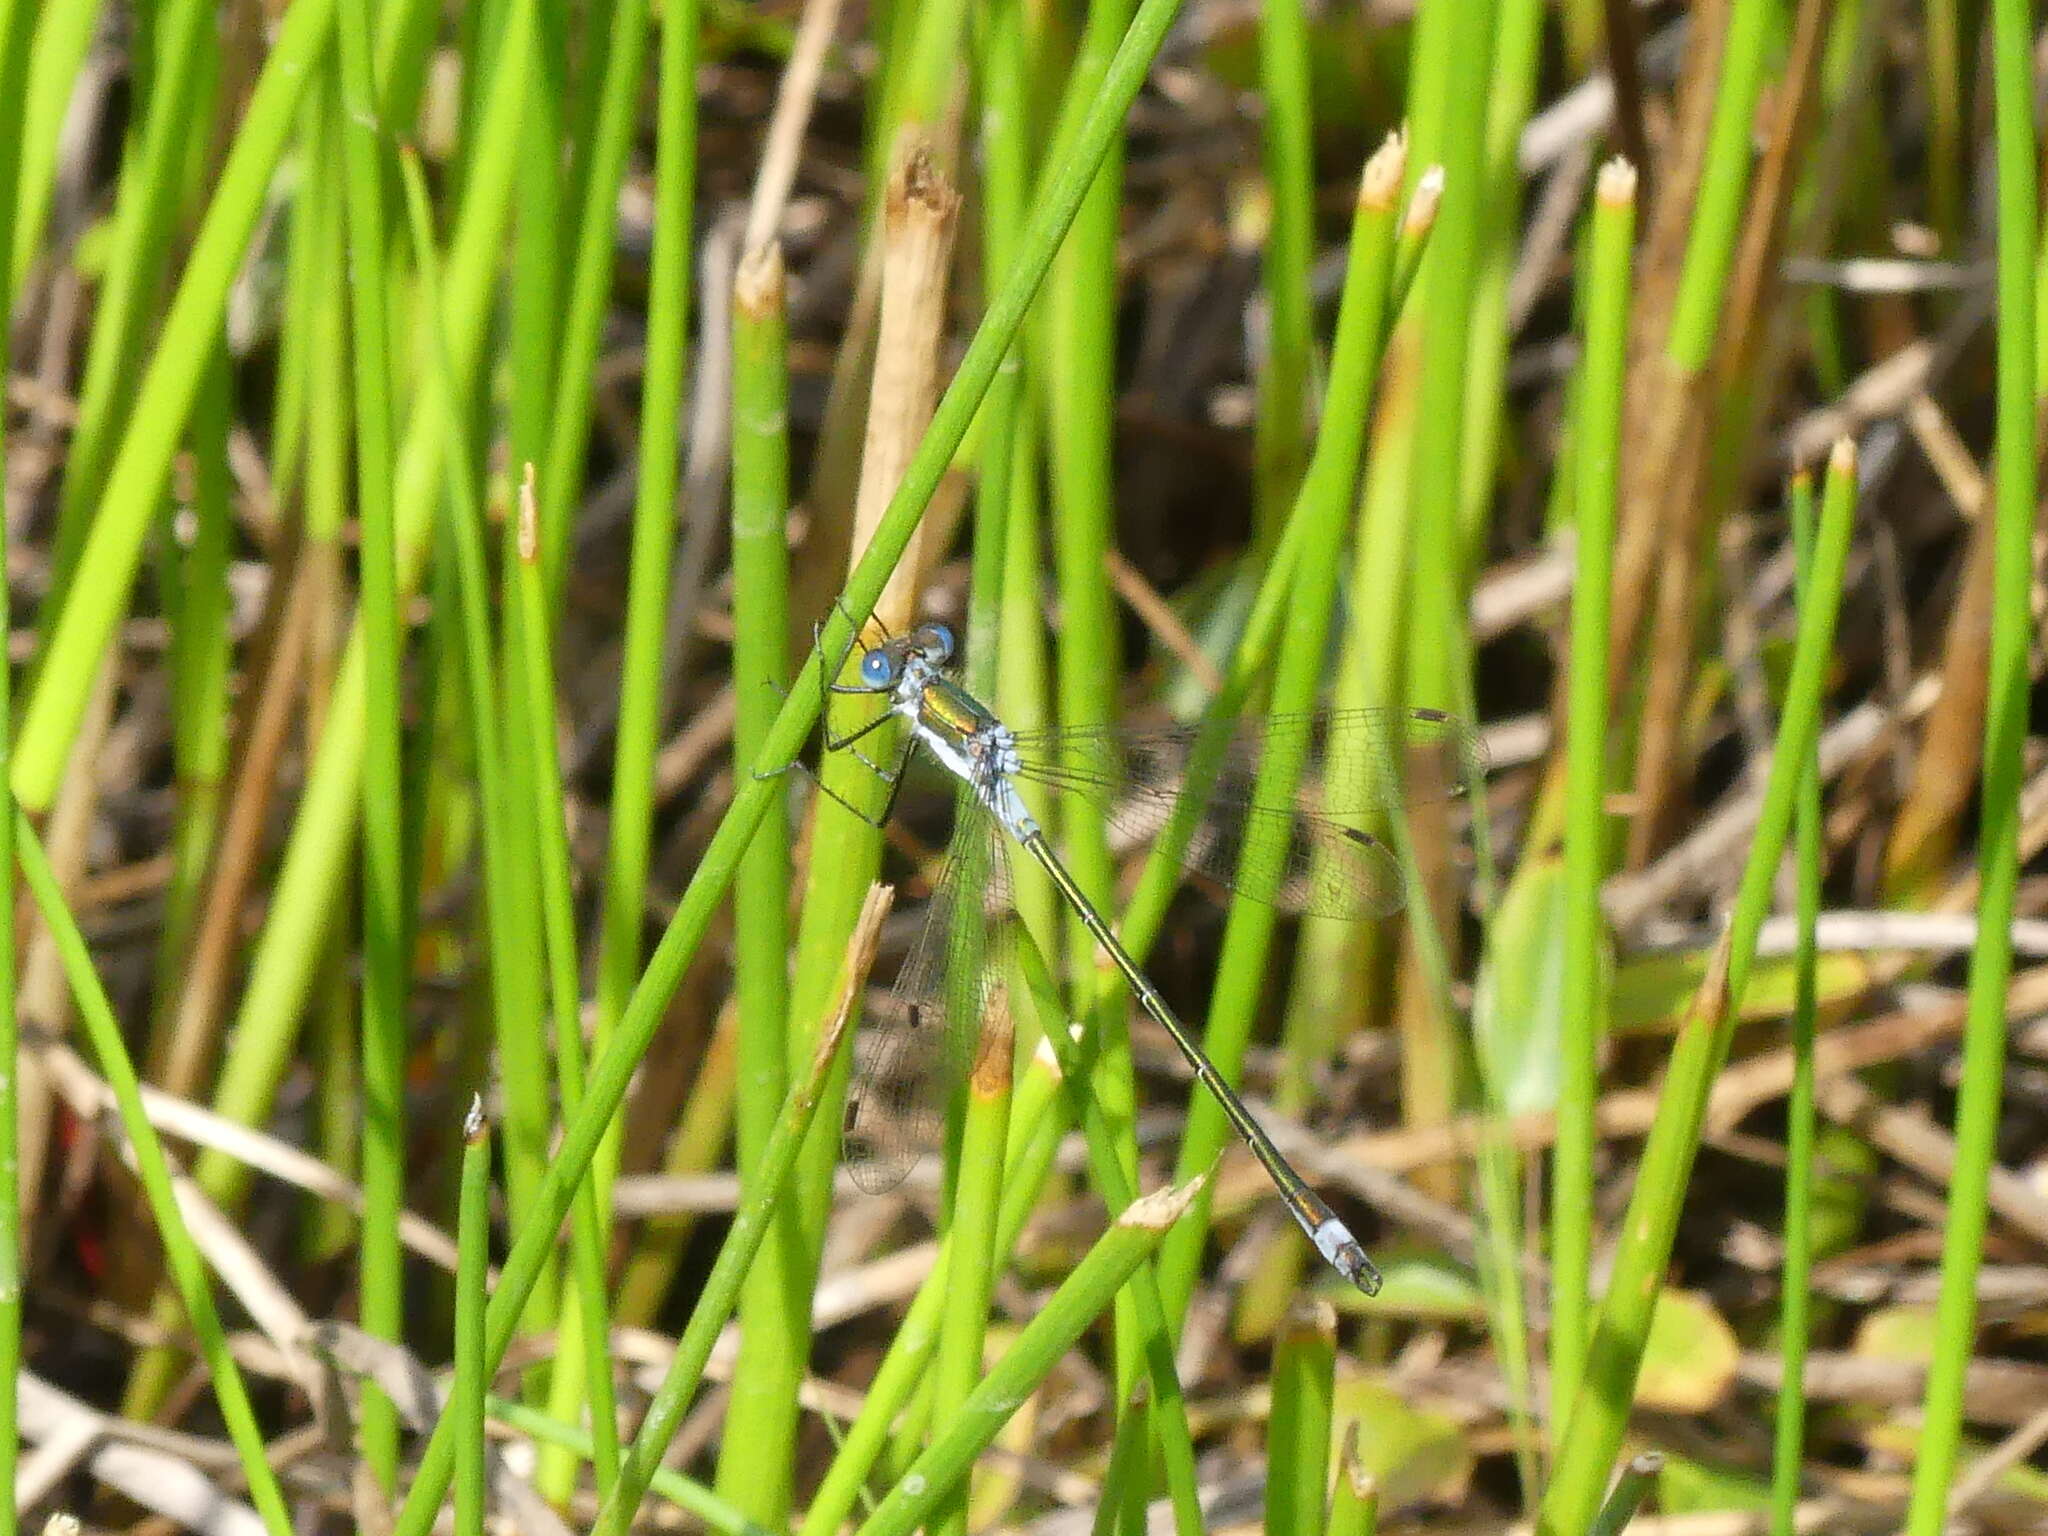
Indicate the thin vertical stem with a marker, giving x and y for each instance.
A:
(1596, 442)
(383, 787)
(1795, 1303)
(2005, 731)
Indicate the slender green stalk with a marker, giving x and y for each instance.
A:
(590, 286)
(1298, 1437)
(757, 1459)
(281, 969)
(977, 1203)
(202, 654)
(1001, 69)
(654, 523)
(1109, 1148)
(188, 1269)
(1517, 53)
(1596, 436)
(1355, 1506)
(1724, 187)
(1080, 395)
(1630, 1489)
(720, 1296)
(513, 992)
(385, 940)
(163, 403)
(1322, 509)
(582, 1368)
(1288, 145)
(614, 1068)
(1417, 225)
(151, 191)
(688, 1495)
(62, 36)
(1125, 1471)
(1037, 1117)
(1080, 1300)
(2005, 732)
(1598, 1415)
(1453, 50)
(17, 19)
(1040, 1124)
(760, 667)
(1795, 1305)
(472, 1375)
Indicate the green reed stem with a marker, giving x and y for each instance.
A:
(1724, 187)
(1037, 1124)
(62, 35)
(201, 659)
(2005, 732)
(188, 1269)
(472, 1375)
(146, 208)
(1795, 1304)
(163, 402)
(582, 1367)
(385, 941)
(1599, 1413)
(1323, 512)
(514, 991)
(1110, 1148)
(688, 1495)
(1080, 1300)
(977, 1204)
(1596, 437)
(590, 288)
(720, 1296)
(1286, 396)
(281, 969)
(760, 667)
(624, 895)
(1298, 1435)
(1355, 1506)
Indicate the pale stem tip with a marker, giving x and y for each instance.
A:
(529, 518)
(1422, 207)
(1617, 183)
(1380, 185)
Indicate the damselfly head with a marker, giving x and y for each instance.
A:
(882, 665)
(934, 642)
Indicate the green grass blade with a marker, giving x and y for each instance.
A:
(1795, 1306)
(2005, 733)
(385, 940)
(1598, 1415)
(720, 1296)
(1298, 1437)
(188, 1269)
(1597, 447)
(163, 403)
(472, 1375)
(1080, 1300)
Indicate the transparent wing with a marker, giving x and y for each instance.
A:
(1326, 850)
(920, 1042)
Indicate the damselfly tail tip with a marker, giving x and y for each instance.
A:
(1346, 1255)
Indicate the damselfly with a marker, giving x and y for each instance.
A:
(1315, 853)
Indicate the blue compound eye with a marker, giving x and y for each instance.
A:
(937, 642)
(879, 667)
